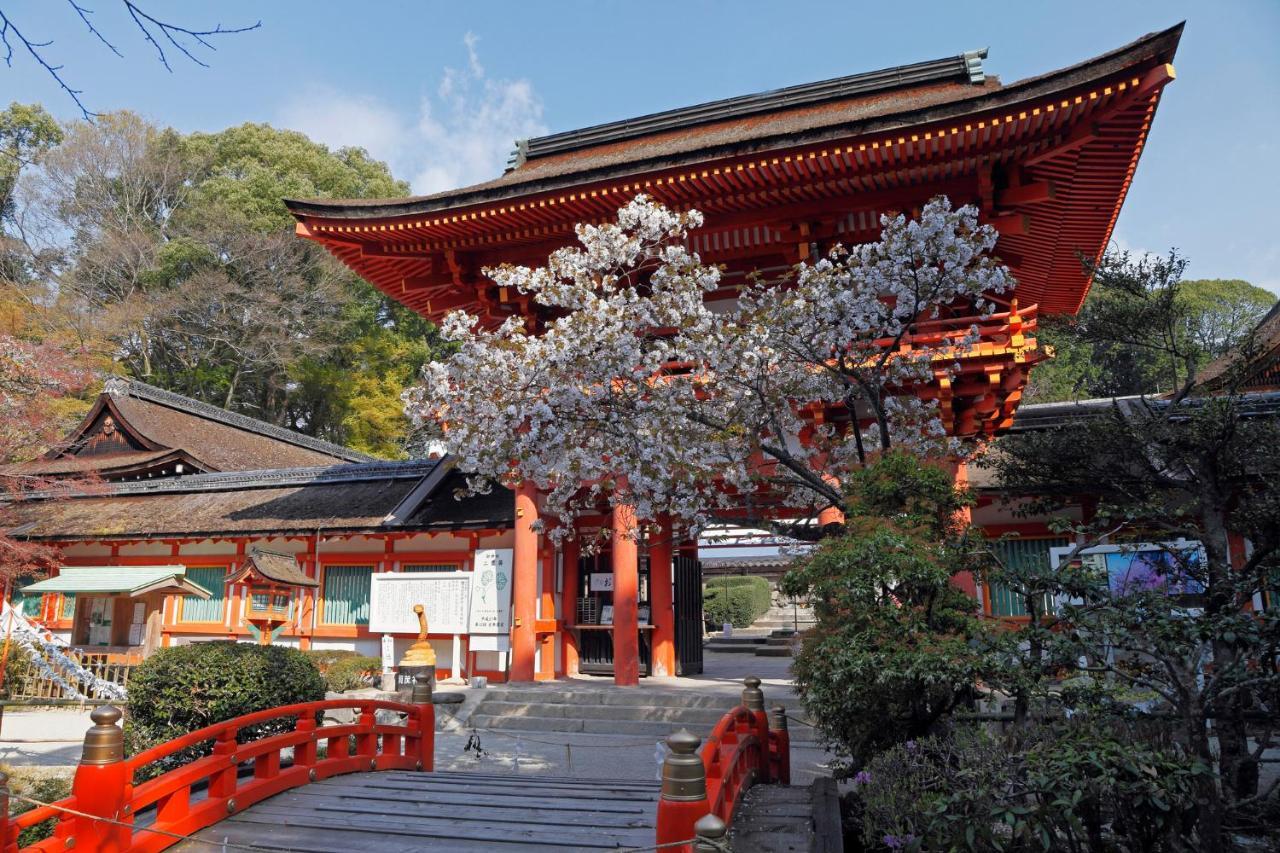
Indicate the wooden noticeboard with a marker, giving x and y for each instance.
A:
(445, 595)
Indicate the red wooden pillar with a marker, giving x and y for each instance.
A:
(524, 587)
(626, 582)
(547, 615)
(832, 514)
(569, 552)
(960, 474)
(661, 606)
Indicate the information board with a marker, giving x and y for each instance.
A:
(445, 595)
(491, 592)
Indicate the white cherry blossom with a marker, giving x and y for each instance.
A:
(634, 391)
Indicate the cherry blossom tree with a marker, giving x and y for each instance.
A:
(635, 390)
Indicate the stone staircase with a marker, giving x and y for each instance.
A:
(631, 713)
(772, 635)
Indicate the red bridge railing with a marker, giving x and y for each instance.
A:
(102, 812)
(700, 791)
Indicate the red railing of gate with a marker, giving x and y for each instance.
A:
(100, 813)
(746, 747)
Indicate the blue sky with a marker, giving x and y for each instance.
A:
(440, 89)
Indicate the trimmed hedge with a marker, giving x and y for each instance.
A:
(738, 600)
(184, 688)
(351, 673)
(325, 658)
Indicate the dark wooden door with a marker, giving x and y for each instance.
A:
(688, 605)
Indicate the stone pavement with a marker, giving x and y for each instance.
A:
(46, 738)
(53, 738)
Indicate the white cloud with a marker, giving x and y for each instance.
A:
(462, 134)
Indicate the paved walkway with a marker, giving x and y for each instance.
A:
(53, 738)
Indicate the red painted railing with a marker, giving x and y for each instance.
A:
(746, 747)
(104, 803)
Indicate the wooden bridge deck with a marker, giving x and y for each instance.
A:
(397, 812)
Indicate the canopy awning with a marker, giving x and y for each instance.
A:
(123, 580)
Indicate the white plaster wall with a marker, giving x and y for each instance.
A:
(86, 551)
(423, 542)
(207, 548)
(146, 549)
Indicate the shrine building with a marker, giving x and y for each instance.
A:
(780, 176)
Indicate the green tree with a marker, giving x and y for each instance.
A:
(893, 653)
(1091, 357)
(181, 247)
(1203, 469)
(27, 132)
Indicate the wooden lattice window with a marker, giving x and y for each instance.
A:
(345, 595)
(1020, 553)
(211, 609)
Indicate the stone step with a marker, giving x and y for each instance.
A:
(651, 713)
(773, 652)
(732, 648)
(633, 728)
(741, 639)
(615, 698)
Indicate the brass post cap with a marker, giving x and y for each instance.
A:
(684, 778)
(104, 743)
(710, 826)
(421, 689)
(778, 718)
(710, 832)
(106, 715)
(752, 695)
(683, 742)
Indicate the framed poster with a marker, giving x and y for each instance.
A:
(606, 615)
(602, 581)
(1141, 566)
(491, 592)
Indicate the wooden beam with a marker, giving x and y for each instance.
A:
(1032, 193)
(1014, 225)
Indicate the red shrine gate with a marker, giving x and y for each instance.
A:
(780, 177)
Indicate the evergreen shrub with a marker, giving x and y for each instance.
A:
(184, 688)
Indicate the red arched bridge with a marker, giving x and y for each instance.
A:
(370, 785)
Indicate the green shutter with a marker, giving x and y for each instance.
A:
(429, 567)
(346, 595)
(1019, 553)
(68, 605)
(208, 609)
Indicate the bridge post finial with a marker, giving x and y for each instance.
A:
(709, 832)
(753, 701)
(684, 789)
(779, 746)
(422, 697)
(102, 785)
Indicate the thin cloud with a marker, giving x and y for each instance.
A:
(462, 134)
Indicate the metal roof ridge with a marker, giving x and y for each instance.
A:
(117, 386)
(963, 66)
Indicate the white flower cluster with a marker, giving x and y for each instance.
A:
(635, 392)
